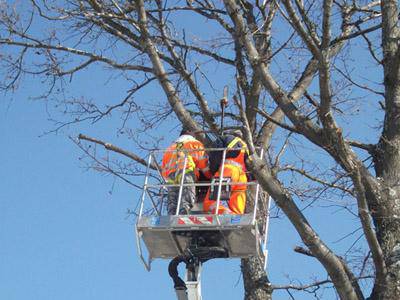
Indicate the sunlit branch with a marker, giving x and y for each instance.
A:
(116, 149)
(317, 179)
(105, 167)
(93, 57)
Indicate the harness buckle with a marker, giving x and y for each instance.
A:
(226, 188)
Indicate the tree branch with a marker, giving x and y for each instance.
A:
(116, 149)
(172, 95)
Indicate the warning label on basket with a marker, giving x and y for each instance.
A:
(191, 220)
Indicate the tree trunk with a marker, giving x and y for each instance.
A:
(387, 217)
(387, 161)
(255, 280)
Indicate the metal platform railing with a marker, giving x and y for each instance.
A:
(167, 236)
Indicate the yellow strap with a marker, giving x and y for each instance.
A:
(235, 141)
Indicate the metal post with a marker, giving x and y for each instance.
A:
(146, 178)
(181, 185)
(139, 234)
(163, 181)
(266, 233)
(257, 194)
(147, 264)
(221, 176)
(193, 283)
(255, 204)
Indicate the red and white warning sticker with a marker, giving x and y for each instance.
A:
(193, 220)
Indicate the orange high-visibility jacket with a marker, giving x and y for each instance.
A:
(236, 150)
(237, 200)
(234, 168)
(238, 143)
(174, 159)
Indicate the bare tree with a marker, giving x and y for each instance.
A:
(302, 73)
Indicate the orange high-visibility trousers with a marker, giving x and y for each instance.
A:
(237, 200)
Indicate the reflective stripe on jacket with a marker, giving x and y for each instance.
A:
(173, 161)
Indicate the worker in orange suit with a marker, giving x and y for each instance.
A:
(234, 172)
(174, 167)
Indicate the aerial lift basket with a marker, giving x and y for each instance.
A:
(168, 236)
